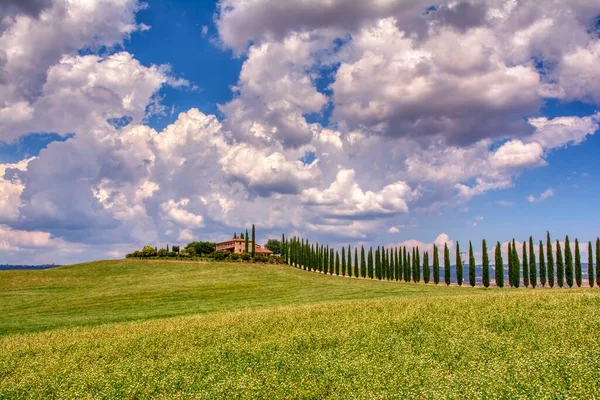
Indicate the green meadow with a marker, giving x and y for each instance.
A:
(159, 329)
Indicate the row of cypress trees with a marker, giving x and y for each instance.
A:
(400, 263)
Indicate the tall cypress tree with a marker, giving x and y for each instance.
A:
(363, 263)
(590, 265)
(436, 265)
(331, 261)
(499, 266)
(413, 266)
(516, 265)
(550, 260)
(472, 270)
(485, 265)
(246, 249)
(560, 267)
(418, 265)
(459, 266)
(532, 264)
(406, 265)
(253, 241)
(597, 261)
(356, 269)
(426, 270)
(343, 261)
(525, 265)
(578, 278)
(377, 263)
(337, 263)
(542, 265)
(568, 262)
(410, 265)
(446, 264)
(370, 265)
(396, 265)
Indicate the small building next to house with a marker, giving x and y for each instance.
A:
(239, 246)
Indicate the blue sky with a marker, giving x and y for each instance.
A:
(342, 123)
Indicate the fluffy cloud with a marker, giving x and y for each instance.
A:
(545, 195)
(348, 200)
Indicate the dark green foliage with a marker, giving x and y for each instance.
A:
(446, 264)
(234, 235)
(532, 264)
(398, 272)
(201, 248)
(426, 270)
(406, 265)
(472, 270)
(436, 265)
(525, 265)
(499, 266)
(542, 265)
(337, 263)
(459, 266)
(578, 278)
(246, 247)
(590, 265)
(568, 263)
(253, 240)
(378, 263)
(516, 265)
(274, 245)
(550, 260)
(343, 261)
(370, 263)
(363, 263)
(410, 265)
(356, 269)
(331, 262)
(485, 264)
(560, 267)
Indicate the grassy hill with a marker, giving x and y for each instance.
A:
(140, 329)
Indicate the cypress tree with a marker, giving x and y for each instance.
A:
(246, 248)
(331, 261)
(459, 266)
(485, 264)
(560, 267)
(337, 263)
(349, 264)
(590, 265)
(370, 265)
(282, 248)
(446, 264)
(363, 263)
(472, 270)
(436, 265)
(550, 259)
(406, 266)
(343, 261)
(568, 262)
(326, 261)
(516, 265)
(542, 265)
(597, 261)
(499, 266)
(253, 241)
(377, 264)
(410, 265)
(426, 271)
(413, 266)
(525, 265)
(389, 262)
(235, 235)
(578, 273)
(356, 269)
(396, 264)
(532, 264)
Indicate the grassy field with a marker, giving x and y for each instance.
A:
(135, 329)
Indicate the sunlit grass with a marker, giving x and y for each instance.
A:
(291, 334)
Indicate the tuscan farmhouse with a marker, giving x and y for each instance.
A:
(238, 245)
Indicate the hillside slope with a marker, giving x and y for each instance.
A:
(277, 332)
